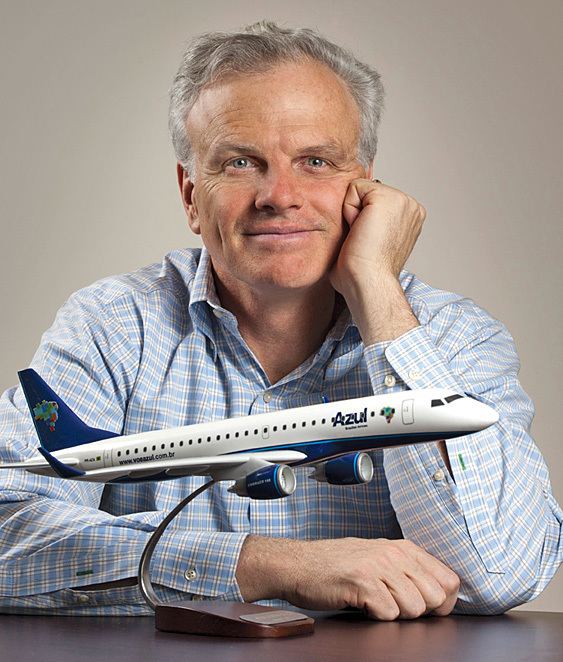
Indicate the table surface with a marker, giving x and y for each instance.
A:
(516, 636)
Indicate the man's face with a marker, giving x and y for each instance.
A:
(275, 153)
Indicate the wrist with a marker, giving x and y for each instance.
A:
(264, 569)
(379, 307)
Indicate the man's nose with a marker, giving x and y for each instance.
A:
(278, 191)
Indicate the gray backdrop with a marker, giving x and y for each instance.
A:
(471, 129)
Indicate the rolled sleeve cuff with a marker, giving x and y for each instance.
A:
(202, 563)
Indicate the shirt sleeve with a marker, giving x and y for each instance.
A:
(495, 522)
(53, 536)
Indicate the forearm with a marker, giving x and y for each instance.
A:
(497, 525)
(51, 550)
(379, 307)
(263, 569)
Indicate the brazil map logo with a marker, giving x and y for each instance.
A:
(388, 412)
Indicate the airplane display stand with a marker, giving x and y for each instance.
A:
(215, 617)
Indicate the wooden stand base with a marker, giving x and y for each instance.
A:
(231, 619)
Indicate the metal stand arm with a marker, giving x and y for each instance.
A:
(145, 584)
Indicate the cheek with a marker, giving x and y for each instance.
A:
(328, 200)
(219, 215)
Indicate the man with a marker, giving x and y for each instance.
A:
(298, 295)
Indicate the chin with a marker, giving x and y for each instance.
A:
(287, 278)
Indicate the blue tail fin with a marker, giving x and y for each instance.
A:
(57, 425)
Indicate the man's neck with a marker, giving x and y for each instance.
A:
(282, 329)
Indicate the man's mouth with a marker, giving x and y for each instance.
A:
(285, 229)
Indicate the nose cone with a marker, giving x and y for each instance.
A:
(485, 416)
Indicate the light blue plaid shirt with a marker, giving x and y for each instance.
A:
(155, 349)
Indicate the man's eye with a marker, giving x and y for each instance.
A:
(316, 162)
(239, 163)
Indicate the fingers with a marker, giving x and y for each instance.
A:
(438, 584)
(418, 583)
(364, 192)
(388, 579)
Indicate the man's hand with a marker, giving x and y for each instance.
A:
(388, 579)
(384, 224)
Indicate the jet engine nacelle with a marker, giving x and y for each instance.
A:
(350, 469)
(272, 482)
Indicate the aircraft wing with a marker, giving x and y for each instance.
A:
(220, 467)
(35, 464)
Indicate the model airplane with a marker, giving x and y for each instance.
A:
(255, 451)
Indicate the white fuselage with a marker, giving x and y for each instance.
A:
(320, 431)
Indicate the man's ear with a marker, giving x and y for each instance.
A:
(186, 191)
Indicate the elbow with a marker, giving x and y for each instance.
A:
(496, 594)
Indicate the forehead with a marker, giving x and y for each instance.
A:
(291, 103)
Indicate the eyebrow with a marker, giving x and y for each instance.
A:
(330, 149)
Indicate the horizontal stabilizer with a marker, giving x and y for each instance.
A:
(57, 425)
(63, 470)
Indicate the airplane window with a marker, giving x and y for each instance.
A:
(181, 443)
(246, 433)
(191, 441)
(118, 453)
(275, 428)
(162, 446)
(145, 449)
(236, 435)
(294, 426)
(323, 421)
(372, 414)
(127, 452)
(255, 431)
(154, 448)
(227, 436)
(285, 427)
(136, 450)
(303, 424)
(313, 422)
(437, 403)
(172, 445)
(218, 437)
(265, 430)
(453, 397)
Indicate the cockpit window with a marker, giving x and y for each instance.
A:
(437, 403)
(451, 398)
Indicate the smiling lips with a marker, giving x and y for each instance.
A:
(280, 230)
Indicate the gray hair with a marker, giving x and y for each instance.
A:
(257, 48)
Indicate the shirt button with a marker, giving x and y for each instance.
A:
(83, 598)
(217, 312)
(414, 374)
(190, 574)
(267, 396)
(389, 380)
(438, 475)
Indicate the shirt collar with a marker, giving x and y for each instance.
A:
(204, 301)
(203, 285)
